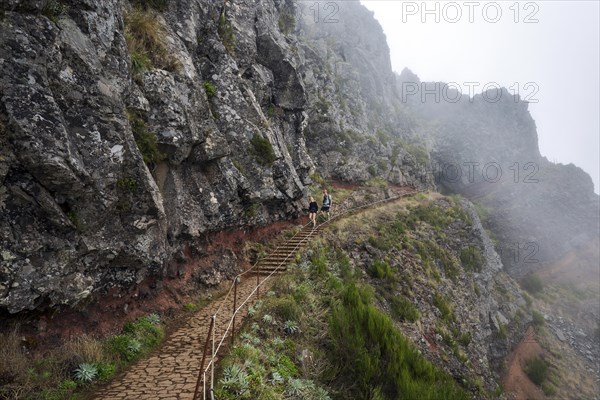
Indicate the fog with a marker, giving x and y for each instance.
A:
(547, 51)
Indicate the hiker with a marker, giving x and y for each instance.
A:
(326, 203)
(313, 207)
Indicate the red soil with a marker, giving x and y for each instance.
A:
(107, 313)
(515, 382)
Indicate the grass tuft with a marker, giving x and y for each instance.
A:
(146, 41)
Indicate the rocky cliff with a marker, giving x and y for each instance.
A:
(130, 130)
(486, 148)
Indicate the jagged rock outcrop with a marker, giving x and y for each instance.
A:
(486, 148)
(128, 133)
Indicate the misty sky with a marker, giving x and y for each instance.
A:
(558, 55)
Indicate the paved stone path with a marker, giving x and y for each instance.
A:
(171, 373)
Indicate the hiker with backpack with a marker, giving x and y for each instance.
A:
(327, 202)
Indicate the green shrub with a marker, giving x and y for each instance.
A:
(373, 355)
(538, 318)
(532, 283)
(403, 309)
(146, 41)
(140, 63)
(210, 90)
(285, 308)
(429, 251)
(381, 270)
(465, 338)
(146, 330)
(54, 9)
(442, 304)
(262, 150)
(380, 242)
(106, 371)
(235, 380)
(145, 140)
(537, 370)
(548, 389)
(528, 299)
(123, 346)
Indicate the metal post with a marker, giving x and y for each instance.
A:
(210, 329)
(212, 366)
(257, 285)
(234, 308)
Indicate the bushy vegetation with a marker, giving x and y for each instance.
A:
(321, 336)
(442, 304)
(377, 356)
(262, 150)
(60, 373)
(538, 319)
(436, 216)
(430, 252)
(381, 270)
(146, 39)
(532, 283)
(54, 9)
(145, 140)
(210, 90)
(536, 370)
(403, 309)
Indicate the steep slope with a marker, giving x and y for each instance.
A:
(408, 300)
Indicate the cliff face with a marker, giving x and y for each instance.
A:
(486, 148)
(129, 132)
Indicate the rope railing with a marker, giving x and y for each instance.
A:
(210, 367)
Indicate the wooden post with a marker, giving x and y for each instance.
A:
(210, 329)
(257, 285)
(234, 308)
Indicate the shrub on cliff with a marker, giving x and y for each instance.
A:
(262, 150)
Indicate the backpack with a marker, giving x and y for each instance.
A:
(329, 199)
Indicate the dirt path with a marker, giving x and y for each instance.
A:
(171, 373)
(516, 383)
